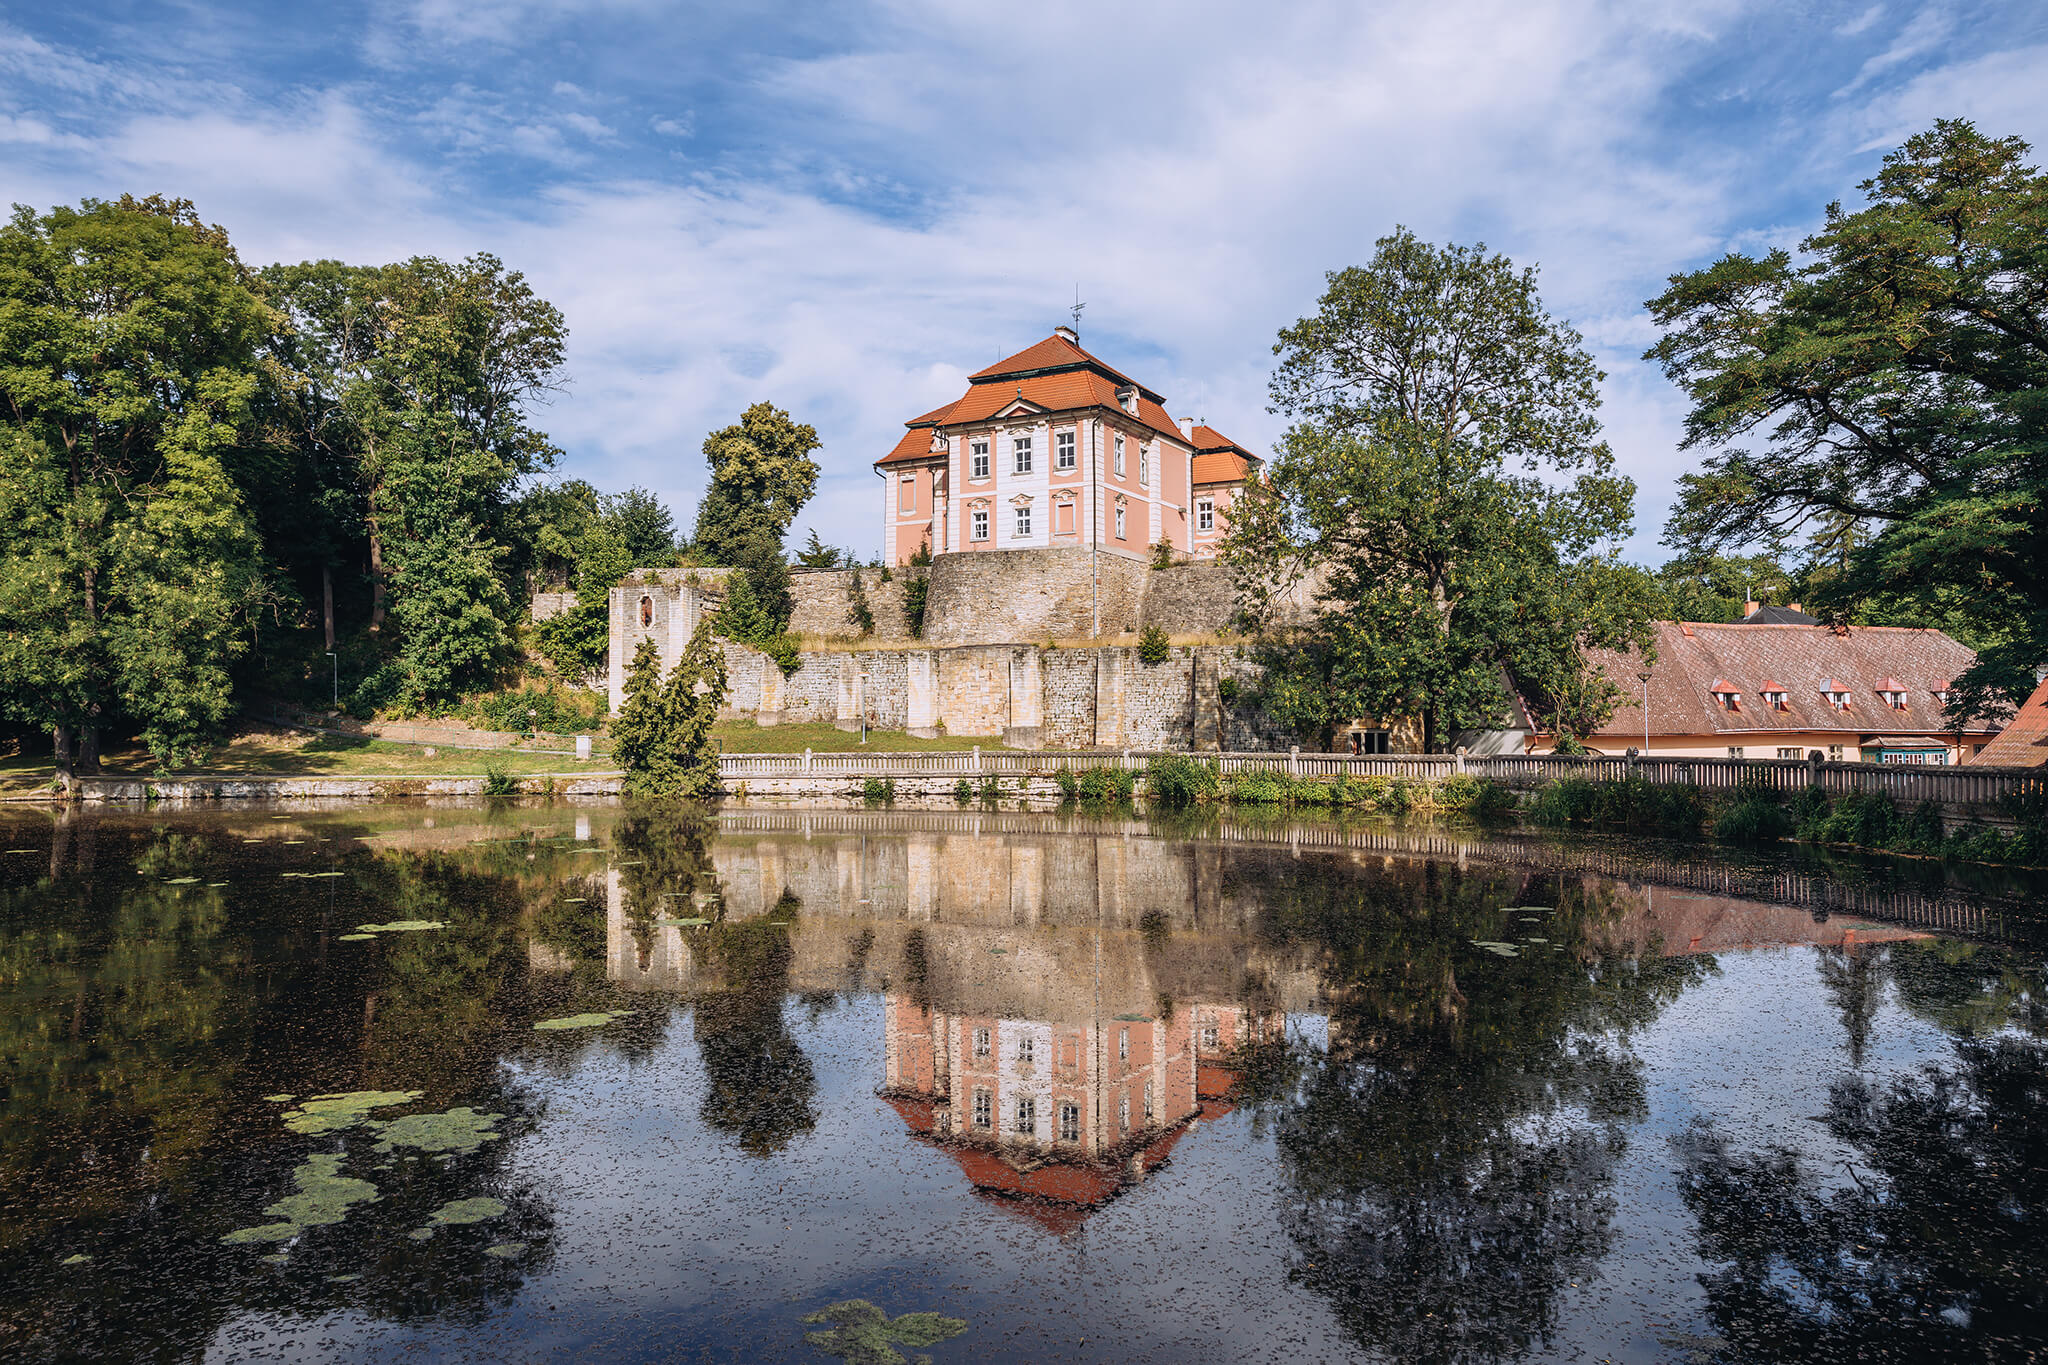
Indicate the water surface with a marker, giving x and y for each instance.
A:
(1083, 1088)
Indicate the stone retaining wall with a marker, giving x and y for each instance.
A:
(823, 602)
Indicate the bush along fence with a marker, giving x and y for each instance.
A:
(1983, 814)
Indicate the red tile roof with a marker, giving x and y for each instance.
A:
(1218, 459)
(1059, 376)
(1694, 657)
(2023, 743)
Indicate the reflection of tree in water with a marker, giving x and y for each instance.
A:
(141, 1017)
(760, 1086)
(1931, 1243)
(1450, 1153)
(663, 857)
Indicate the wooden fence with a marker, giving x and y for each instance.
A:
(1954, 788)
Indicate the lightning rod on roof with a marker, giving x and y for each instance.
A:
(1078, 306)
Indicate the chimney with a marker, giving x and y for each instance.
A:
(1067, 334)
(1187, 428)
(1751, 608)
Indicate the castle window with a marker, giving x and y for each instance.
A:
(979, 529)
(907, 500)
(984, 1109)
(1023, 521)
(1063, 450)
(1123, 1110)
(646, 611)
(1205, 515)
(1020, 454)
(1144, 467)
(1119, 461)
(1070, 1123)
(981, 1042)
(1027, 1115)
(1834, 753)
(1737, 751)
(1123, 1044)
(1119, 523)
(1788, 753)
(1026, 1050)
(1210, 1038)
(977, 460)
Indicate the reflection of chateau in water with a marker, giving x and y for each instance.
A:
(1063, 1113)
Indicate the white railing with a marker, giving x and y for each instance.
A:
(1906, 785)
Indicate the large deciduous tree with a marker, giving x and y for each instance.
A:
(1886, 394)
(1445, 477)
(762, 474)
(130, 569)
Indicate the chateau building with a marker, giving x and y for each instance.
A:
(1050, 449)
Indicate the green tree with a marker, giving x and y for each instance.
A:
(1885, 393)
(131, 574)
(642, 522)
(662, 736)
(1445, 476)
(578, 641)
(1714, 587)
(816, 554)
(762, 474)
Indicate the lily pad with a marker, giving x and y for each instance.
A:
(1534, 939)
(280, 1099)
(864, 1334)
(474, 1210)
(343, 1279)
(326, 874)
(505, 1251)
(324, 1193)
(597, 1020)
(402, 926)
(1498, 949)
(80, 1259)
(420, 1234)
(275, 1258)
(681, 923)
(332, 1113)
(267, 1232)
(181, 881)
(458, 1130)
(353, 938)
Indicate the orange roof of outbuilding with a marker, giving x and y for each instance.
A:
(1218, 459)
(2023, 743)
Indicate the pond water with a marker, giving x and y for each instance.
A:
(538, 1082)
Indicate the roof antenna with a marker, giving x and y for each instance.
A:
(1078, 306)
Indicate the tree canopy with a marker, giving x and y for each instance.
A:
(1445, 483)
(1882, 395)
(762, 474)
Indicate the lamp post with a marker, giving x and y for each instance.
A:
(337, 676)
(1645, 676)
(863, 706)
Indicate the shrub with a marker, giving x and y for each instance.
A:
(1152, 646)
(991, 789)
(1258, 787)
(498, 782)
(1632, 804)
(915, 590)
(963, 791)
(1178, 780)
(783, 649)
(1107, 784)
(878, 790)
(560, 710)
(1227, 690)
(1398, 797)
(858, 614)
(1752, 818)
(1162, 554)
(1068, 784)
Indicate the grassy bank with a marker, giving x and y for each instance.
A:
(1180, 781)
(291, 754)
(1862, 820)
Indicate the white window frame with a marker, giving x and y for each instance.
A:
(977, 523)
(1211, 1038)
(1144, 466)
(1119, 461)
(1205, 515)
(984, 1107)
(1120, 523)
(1063, 450)
(1148, 1099)
(981, 1042)
(1783, 752)
(1070, 1122)
(977, 461)
(1123, 1111)
(1737, 751)
(1022, 526)
(1027, 1115)
(1835, 752)
(1020, 454)
(906, 496)
(1027, 1050)
(1123, 1045)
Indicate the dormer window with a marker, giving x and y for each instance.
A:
(1726, 695)
(1775, 696)
(1893, 693)
(1940, 694)
(1837, 693)
(1128, 400)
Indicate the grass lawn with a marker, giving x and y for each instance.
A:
(288, 754)
(745, 737)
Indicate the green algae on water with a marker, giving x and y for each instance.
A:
(864, 1334)
(280, 1099)
(343, 1279)
(79, 1258)
(181, 881)
(459, 1130)
(324, 1193)
(402, 926)
(596, 1020)
(420, 1234)
(353, 938)
(505, 1251)
(275, 1258)
(332, 1113)
(474, 1210)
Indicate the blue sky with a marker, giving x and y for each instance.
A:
(845, 209)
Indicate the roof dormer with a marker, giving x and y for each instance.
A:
(1726, 694)
(1893, 693)
(1775, 695)
(1838, 694)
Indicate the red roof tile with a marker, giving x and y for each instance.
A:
(2023, 743)
(1693, 657)
(1048, 354)
(1218, 459)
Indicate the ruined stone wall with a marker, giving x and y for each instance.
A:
(823, 603)
(1029, 596)
(545, 606)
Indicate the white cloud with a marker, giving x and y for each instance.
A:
(1922, 34)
